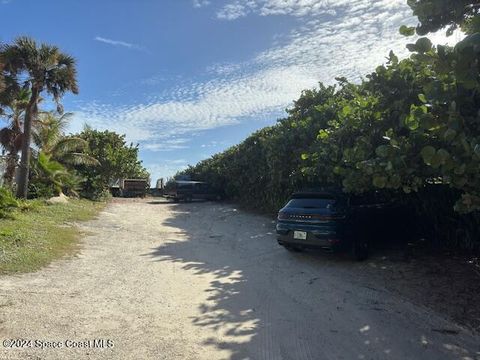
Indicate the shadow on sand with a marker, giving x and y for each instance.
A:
(266, 303)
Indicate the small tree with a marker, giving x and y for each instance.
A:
(117, 160)
(49, 137)
(55, 156)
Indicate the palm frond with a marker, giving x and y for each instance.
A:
(49, 130)
(2, 77)
(80, 159)
(67, 145)
(7, 138)
(37, 139)
(12, 61)
(50, 167)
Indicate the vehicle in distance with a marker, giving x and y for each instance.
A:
(190, 190)
(133, 187)
(335, 221)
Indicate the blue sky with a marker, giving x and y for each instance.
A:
(188, 78)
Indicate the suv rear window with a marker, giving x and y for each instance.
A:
(311, 203)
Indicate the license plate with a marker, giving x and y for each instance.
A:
(300, 235)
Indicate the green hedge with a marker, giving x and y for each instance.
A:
(411, 128)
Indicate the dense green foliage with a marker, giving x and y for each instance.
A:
(8, 203)
(411, 129)
(265, 168)
(452, 14)
(117, 160)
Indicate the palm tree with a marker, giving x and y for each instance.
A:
(55, 155)
(11, 137)
(52, 173)
(46, 69)
(48, 136)
(2, 76)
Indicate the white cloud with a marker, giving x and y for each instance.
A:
(214, 143)
(239, 8)
(200, 3)
(203, 106)
(351, 44)
(167, 144)
(233, 11)
(118, 43)
(223, 68)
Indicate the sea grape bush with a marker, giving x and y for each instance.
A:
(263, 169)
(411, 128)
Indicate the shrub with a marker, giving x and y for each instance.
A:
(8, 203)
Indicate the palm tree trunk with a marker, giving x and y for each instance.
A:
(10, 169)
(30, 114)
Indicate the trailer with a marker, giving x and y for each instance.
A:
(133, 187)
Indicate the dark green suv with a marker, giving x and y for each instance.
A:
(334, 221)
(190, 190)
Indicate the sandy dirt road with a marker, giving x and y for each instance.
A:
(207, 281)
